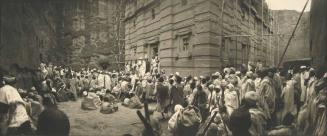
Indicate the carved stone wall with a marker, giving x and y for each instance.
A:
(198, 37)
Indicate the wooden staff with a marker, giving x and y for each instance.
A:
(203, 130)
(148, 128)
(222, 98)
(146, 110)
(210, 100)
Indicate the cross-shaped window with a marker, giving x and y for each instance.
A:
(186, 42)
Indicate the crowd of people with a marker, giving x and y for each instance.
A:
(247, 101)
(30, 112)
(241, 101)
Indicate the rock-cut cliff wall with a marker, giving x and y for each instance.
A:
(318, 35)
(28, 33)
(73, 33)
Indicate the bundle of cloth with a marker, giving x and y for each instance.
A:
(185, 121)
(109, 105)
(34, 106)
(133, 102)
(91, 102)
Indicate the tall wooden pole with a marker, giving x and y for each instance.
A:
(222, 34)
(269, 40)
(235, 30)
(118, 33)
(293, 33)
(0, 24)
(262, 27)
(278, 54)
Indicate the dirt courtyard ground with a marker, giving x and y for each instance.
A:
(94, 123)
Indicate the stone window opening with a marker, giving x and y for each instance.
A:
(245, 53)
(310, 45)
(155, 51)
(243, 15)
(185, 43)
(254, 25)
(153, 14)
(184, 2)
(41, 57)
(134, 50)
(223, 47)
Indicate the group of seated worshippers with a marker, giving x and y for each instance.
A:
(60, 84)
(245, 101)
(27, 111)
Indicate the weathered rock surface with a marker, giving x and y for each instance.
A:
(300, 44)
(74, 33)
(28, 33)
(318, 35)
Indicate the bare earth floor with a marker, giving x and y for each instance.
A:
(94, 123)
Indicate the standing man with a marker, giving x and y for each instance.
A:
(268, 92)
(107, 81)
(162, 97)
(100, 79)
(177, 94)
(247, 84)
(304, 75)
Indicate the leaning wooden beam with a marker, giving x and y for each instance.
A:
(210, 101)
(146, 110)
(293, 33)
(203, 130)
(147, 126)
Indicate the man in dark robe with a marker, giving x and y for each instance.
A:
(201, 101)
(162, 97)
(53, 122)
(177, 93)
(240, 119)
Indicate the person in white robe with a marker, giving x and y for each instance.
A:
(100, 79)
(257, 82)
(288, 99)
(14, 118)
(127, 67)
(258, 118)
(268, 92)
(216, 78)
(231, 99)
(320, 102)
(247, 84)
(311, 96)
(107, 81)
(304, 75)
(142, 69)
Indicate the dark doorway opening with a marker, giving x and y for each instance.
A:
(155, 51)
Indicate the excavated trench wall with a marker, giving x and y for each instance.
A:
(318, 35)
(74, 33)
